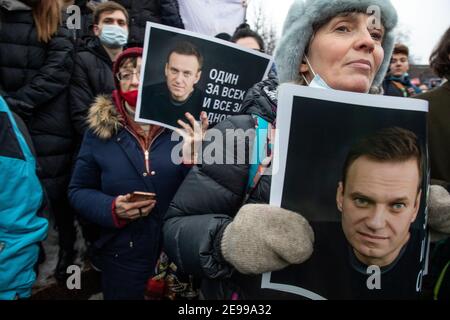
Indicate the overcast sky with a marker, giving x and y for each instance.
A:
(424, 20)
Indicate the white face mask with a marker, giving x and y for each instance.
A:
(317, 81)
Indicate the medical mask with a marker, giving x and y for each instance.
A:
(317, 81)
(113, 36)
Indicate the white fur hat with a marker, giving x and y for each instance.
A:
(298, 29)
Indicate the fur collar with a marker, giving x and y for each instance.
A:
(104, 119)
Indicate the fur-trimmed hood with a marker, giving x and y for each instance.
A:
(103, 118)
(298, 29)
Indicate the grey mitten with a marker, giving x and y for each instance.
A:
(264, 238)
(439, 209)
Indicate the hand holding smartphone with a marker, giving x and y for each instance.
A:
(142, 196)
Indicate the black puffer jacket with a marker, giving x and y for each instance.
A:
(85, 19)
(34, 77)
(141, 11)
(211, 195)
(92, 76)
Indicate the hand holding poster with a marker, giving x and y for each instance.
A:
(355, 166)
(187, 72)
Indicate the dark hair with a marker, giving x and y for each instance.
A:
(401, 49)
(244, 31)
(108, 6)
(129, 60)
(223, 36)
(187, 49)
(386, 145)
(439, 59)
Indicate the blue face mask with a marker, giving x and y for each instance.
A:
(113, 36)
(317, 81)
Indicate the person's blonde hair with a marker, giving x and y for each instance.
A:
(47, 18)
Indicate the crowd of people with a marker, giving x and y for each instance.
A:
(70, 148)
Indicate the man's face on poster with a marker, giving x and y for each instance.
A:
(379, 202)
(182, 73)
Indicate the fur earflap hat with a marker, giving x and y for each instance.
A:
(298, 29)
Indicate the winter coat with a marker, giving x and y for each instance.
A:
(85, 19)
(391, 86)
(192, 222)
(21, 196)
(439, 131)
(34, 78)
(112, 163)
(92, 76)
(159, 11)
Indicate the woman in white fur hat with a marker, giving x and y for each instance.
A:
(329, 44)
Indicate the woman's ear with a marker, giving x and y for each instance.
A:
(304, 67)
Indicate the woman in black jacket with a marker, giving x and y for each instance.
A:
(36, 61)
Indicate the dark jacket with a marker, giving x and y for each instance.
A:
(439, 131)
(35, 77)
(85, 19)
(111, 163)
(92, 76)
(212, 194)
(159, 11)
(159, 105)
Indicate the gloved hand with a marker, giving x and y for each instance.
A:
(439, 209)
(264, 238)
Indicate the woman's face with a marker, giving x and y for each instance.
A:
(130, 75)
(346, 53)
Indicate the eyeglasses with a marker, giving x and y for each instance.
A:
(127, 75)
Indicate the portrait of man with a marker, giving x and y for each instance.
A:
(379, 195)
(168, 101)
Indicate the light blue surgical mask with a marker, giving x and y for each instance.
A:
(317, 81)
(113, 36)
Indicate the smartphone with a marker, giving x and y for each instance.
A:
(142, 196)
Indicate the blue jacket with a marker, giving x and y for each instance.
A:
(111, 163)
(21, 197)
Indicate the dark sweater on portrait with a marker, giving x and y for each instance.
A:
(157, 104)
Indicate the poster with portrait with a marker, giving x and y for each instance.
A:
(355, 166)
(188, 72)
